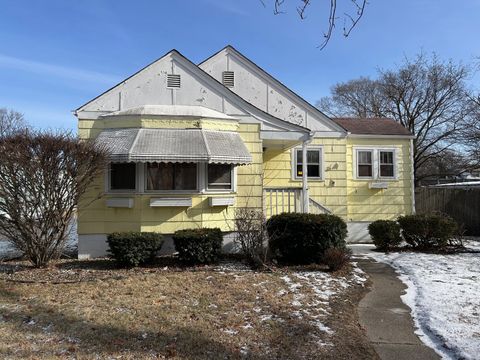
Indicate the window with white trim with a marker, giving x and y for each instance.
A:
(219, 176)
(387, 166)
(365, 163)
(122, 176)
(314, 163)
(171, 176)
(375, 163)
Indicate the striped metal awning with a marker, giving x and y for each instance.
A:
(174, 145)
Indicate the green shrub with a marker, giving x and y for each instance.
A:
(134, 248)
(427, 231)
(336, 258)
(303, 238)
(385, 234)
(198, 246)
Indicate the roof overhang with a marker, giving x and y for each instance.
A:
(174, 145)
(171, 111)
(380, 136)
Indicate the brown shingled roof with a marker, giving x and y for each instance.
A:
(372, 126)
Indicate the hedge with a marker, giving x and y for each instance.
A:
(198, 246)
(134, 248)
(427, 231)
(385, 234)
(303, 238)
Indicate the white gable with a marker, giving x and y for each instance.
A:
(266, 93)
(148, 87)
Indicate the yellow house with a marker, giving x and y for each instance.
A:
(190, 143)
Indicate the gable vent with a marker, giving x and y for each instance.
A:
(228, 78)
(173, 81)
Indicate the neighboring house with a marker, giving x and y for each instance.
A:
(190, 143)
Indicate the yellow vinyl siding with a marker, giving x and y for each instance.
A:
(94, 217)
(366, 204)
(331, 191)
(339, 191)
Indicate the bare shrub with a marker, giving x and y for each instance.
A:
(336, 258)
(42, 176)
(251, 235)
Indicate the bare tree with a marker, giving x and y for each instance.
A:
(11, 121)
(470, 136)
(361, 98)
(427, 96)
(41, 182)
(353, 11)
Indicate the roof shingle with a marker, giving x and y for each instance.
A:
(372, 126)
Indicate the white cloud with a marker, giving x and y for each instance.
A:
(60, 71)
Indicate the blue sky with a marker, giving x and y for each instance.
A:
(57, 54)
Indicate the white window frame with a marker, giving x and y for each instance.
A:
(371, 151)
(141, 183)
(108, 173)
(375, 163)
(192, 191)
(394, 177)
(232, 185)
(294, 163)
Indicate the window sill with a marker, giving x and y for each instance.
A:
(171, 202)
(171, 193)
(218, 192)
(375, 179)
(309, 179)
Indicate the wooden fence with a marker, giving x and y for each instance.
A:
(461, 204)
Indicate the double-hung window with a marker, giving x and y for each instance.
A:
(123, 177)
(314, 163)
(364, 163)
(375, 164)
(219, 177)
(171, 176)
(386, 167)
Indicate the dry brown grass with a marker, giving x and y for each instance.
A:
(202, 313)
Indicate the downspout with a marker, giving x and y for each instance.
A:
(305, 196)
(413, 176)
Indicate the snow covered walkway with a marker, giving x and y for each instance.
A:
(444, 295)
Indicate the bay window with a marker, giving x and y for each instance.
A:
(171, 176)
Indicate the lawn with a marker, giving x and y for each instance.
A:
(88, 309)
(443, 293)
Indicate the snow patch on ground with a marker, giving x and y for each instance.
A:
(324, 286)
(444, 295)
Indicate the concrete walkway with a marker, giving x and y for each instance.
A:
(387, 319)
